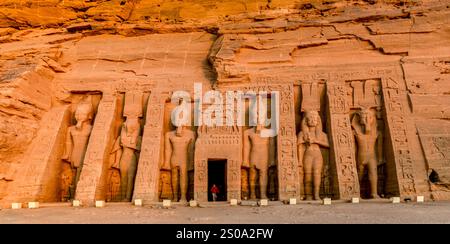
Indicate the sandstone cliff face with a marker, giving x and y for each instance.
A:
(51, 47)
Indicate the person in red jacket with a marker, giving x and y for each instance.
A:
(214, 192)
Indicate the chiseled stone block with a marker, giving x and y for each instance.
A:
(327, 201)
(137, 202)
(264, 202)
(76, 203)
(395, 200)
(233, 202)
(355, 199)
(193, 203)
(166, 203)
(100, 204)
(33, 205)
(420, 199)
(292, 201)
(16, 205)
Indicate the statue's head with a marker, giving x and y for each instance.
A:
(84, 113)
(132, 124)
(312, 118)
(367, 118)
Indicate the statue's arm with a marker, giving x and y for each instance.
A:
(246, 144)
(117, 153)
(167, 152)
(324, 141)
(68, 146)
(356, 126)
(300, 152)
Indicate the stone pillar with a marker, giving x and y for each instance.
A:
(38, 175)
(89, 187)
(147, 176)
(288, 170)
(395, 107)
(342, 146)
(200, 172)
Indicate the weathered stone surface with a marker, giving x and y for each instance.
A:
(54, 51)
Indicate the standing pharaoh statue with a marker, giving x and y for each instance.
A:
(126, 149)
(310, 139)
(364, 124)
(179, 150)
(77, 140)
(258, 156)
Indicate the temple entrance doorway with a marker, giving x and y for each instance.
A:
(217, 175)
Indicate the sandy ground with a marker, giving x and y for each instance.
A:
(365, 212)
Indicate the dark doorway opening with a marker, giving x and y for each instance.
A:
(217, 175)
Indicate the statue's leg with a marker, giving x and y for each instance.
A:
(131, 176)
(263, 182)
(73, 184)
(307, 167)
(253, 182)
(183, 182)
(244, 183)
(175, 183)
(373, 178)
(361, 168)
(76, 172)
(317, 169)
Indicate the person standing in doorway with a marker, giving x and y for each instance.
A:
(214, 192)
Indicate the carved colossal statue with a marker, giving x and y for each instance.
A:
(364, 124)
(77, 140)
(258, 156)
(179, 149)
(310, 139)
(126, 149)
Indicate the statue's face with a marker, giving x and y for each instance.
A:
(82, 114)
(366, 118)
(312, 119)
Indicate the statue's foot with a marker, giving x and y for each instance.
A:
(317, 198)
(183, 200)
(309, 198)
(375, 196)
(253, 197)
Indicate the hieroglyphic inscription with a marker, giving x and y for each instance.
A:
(88, 188)
(342, 144)
(394, 99)
(147, 176)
